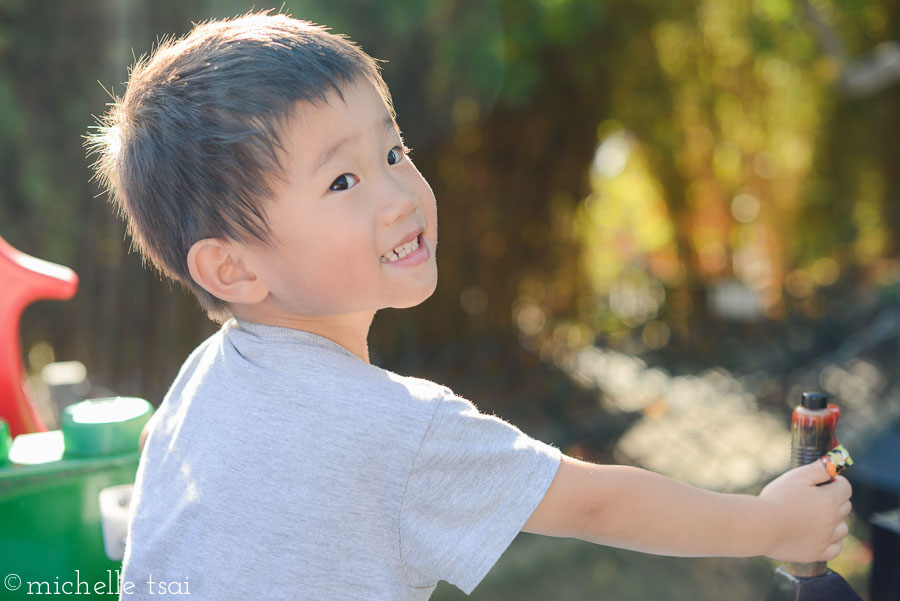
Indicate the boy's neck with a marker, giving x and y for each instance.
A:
(349, 331)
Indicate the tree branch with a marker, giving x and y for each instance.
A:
(866, 77)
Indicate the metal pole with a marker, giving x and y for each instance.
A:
(812, 436)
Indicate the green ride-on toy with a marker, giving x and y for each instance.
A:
(64, 494)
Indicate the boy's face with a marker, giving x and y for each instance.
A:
(353, 228)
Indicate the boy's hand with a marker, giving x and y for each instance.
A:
(807, 521)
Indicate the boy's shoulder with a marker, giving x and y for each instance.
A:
(303, 353)
(288, 368)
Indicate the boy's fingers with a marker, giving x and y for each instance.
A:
(841, 530)
(842, 487)
(845, 509)
(832, 551)
(815, 472)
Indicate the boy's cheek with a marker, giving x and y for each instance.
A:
(431, 219)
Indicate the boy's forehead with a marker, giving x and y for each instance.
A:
(350, 105)
(317, 129)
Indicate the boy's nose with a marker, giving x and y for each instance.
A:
(397, 203)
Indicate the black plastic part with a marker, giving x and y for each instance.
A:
(830, 586)
(814, 400)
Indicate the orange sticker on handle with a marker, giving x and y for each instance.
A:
(836, 460)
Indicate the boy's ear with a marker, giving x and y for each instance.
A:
(219, 267)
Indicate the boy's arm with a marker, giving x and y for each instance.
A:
(792, 519)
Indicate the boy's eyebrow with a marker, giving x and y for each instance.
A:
(336, 146)
(389, 123)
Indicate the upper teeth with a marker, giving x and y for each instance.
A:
(401, 251)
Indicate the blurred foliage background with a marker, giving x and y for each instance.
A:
(693, 184)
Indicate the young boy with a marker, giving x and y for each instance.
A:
(258, 162)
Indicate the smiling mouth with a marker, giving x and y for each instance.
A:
(402, 251)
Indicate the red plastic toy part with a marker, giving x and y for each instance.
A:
(23, 280)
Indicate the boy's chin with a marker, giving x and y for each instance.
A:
(415, 300)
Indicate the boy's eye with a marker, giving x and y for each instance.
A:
(345, 181)
(396, 154)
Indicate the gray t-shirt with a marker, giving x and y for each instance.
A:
(281, 466)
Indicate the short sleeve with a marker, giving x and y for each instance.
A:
(474, 483)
